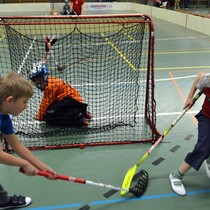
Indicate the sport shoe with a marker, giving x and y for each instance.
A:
(177, 185)
(88, 115)
(16, 202)
(60, 68)
(84, 122)
(207, 167)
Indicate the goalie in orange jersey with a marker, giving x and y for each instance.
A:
(62, 104)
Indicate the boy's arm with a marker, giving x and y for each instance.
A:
(189, 101)
(28, 161)
(8, 159)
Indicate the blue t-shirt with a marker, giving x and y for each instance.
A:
(6, 126)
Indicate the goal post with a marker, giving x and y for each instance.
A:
(109, 59)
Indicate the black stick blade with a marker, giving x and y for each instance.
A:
(139, 185)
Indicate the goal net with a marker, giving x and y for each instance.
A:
(109, 59)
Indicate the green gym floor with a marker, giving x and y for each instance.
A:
(180, 54)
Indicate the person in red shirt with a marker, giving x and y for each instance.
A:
(201, 151)
(77, 7)
(62, 104)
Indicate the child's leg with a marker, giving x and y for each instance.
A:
(50, 52)
(47, 48)
(177, 4)
(164, 4)
(184, 168)
(201, 149)
(4, 198)
(47, 51)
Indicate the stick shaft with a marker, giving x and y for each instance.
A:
(167, 130)
(106, 186)
(79, 180)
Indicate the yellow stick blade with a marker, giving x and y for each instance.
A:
(128, 178)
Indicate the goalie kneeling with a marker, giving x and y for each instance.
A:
(61, 104)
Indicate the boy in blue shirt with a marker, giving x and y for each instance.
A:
(15, 92)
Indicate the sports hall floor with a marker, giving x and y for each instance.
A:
(179, 55)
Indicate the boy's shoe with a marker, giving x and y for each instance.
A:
(177, 185)
(88, 115)
(60, 68)
(84, 122)
(207, 167)
(16, 202)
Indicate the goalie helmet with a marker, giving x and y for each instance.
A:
(39, 74)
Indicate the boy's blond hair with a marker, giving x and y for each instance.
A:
(14, 85)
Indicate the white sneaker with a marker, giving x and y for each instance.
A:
(177, 185)
(207, 167)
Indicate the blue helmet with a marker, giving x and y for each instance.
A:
(39, 74)
(39, 70)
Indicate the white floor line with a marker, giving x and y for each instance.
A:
(176, 113)
(175, 78)
(26, 56)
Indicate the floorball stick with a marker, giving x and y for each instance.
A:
(131, 172)
(135, 190)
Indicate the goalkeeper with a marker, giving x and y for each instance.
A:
(61, 104)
